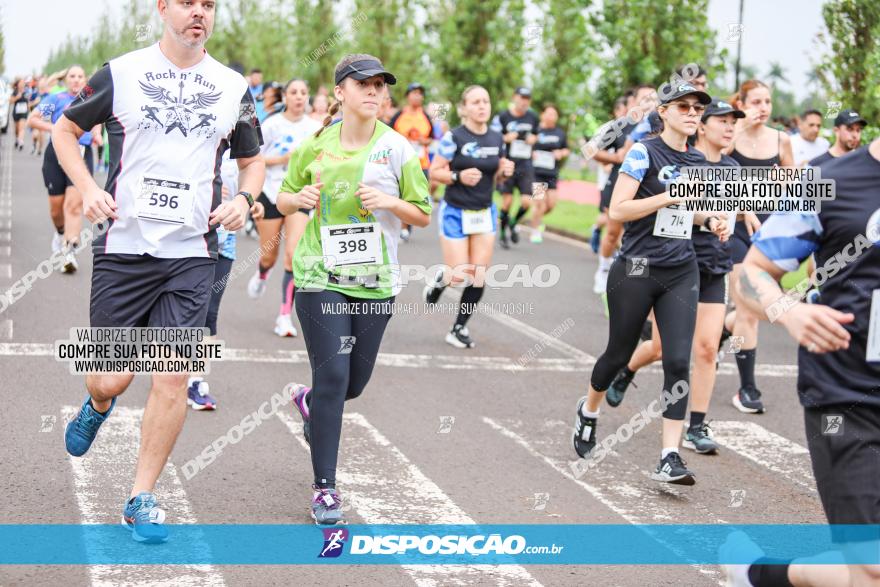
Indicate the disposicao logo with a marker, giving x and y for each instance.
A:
(334, 541)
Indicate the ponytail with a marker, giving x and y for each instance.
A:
(334, 108)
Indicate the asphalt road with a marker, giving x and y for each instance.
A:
(441, 435)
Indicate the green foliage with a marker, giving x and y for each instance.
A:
(567, 51)
(850, 72)
(646, 40)
(477, 42)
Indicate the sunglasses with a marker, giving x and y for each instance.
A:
(685, 108)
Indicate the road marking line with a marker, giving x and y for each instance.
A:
(416, 499)
(767, 449)
(410, 361)
(100, 491)
(631, 501)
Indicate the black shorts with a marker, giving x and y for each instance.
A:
(738, 248)
(605, 198)
(271, 210)
(845, 453)
(54, 178)
(138, 291)
(550, 181)
(17, 117)
(522, 179)
(713, 288)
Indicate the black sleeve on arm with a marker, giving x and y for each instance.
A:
(246, 136)
(94, 103)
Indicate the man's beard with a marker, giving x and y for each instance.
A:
(185, 41)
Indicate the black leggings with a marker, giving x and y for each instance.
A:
(342, 336)
(221, 275)
(673, 293)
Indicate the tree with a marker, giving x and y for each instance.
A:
(478, 42)
(389, 30)
(646, 40)
(776, 73)
(850, 72)
(568, 51)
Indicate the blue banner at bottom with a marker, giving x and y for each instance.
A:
(44, 544)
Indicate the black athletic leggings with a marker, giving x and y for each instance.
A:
(342, 336)
(221, 275)
(673, 293)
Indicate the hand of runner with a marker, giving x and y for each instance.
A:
(531, 139)
(231, 214)
(258, 211)
(752, 223)
(507, 167)
(470, 176)
(720, 228)
(817, 328)
(510, 136)
(374, 199)
(308, 197)
(98, 205)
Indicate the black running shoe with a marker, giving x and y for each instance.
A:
(748, 400)
(622, 381)
(432, 292)
(700, 440)
(514, 234)
(503, 240)
(584, 437)
(673, 470)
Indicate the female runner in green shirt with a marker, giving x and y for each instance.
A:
(363, 181)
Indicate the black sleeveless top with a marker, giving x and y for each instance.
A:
(740, 230)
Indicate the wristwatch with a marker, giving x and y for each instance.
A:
(454, 177)
(248, 197)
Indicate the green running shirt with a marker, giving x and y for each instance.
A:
(388, 163)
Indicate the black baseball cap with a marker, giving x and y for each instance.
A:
(720, 108)
(415, 86)
(363, 69)
(681, 90)
(524, 92)
(849, 117)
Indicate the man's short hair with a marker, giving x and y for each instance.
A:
(256, 70)
(810, 112)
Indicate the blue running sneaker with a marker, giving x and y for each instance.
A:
(198, 396)
(327, 506)
(300, 400)
(596, 239)
(145, 520)
(81, 431)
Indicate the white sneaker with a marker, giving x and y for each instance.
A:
(404, 235)
(284, 326)
(70, 264)
(256, 286)
(537, 237)
(738, 546)
(57, 242)
(600, 281)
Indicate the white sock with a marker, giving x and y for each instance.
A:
(665, 452)
(605, 262)
(587, 413)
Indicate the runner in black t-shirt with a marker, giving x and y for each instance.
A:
(518, 126)
(848, 128)
(469, 160)
(547, 156)
(838, 357)
(656, 269)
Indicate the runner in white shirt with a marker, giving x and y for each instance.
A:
(170, 111)
(808, 144)
(282, 134)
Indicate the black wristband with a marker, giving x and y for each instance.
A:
(707, 220)
(454, 177)
(248, 197)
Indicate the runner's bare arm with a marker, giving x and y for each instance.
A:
(624, 208)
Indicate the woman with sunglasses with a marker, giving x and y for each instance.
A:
(363, 181)
(656, 270)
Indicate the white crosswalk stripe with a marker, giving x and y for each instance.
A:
(102, 483)
(385, 487)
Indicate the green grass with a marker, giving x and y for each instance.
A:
(789, 280)
(576, 219)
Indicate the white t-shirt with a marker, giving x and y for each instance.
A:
(282, 136)
(167, 130)
(804, 150)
